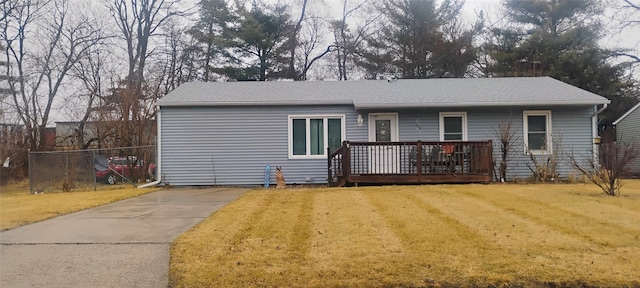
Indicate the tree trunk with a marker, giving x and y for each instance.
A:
(263, 68)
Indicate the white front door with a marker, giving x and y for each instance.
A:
(384, 159)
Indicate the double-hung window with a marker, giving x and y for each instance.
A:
(309, 136)
(537, 131)
(453, 126)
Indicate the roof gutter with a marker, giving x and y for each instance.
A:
(594, 130)
(475, 104)
(158, 154)
(266, 103)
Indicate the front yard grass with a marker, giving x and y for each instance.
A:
(18, 207)
(414, 236)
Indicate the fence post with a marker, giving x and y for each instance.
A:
(66, 172)
(93, 161)
(30, 174)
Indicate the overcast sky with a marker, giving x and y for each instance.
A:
(630, 38)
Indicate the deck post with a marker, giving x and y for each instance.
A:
(329, 176)
(475, 159)
(419, 159)
(346, 161)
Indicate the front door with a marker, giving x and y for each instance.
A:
(384, 159)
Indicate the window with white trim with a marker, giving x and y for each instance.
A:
(309, 136)
(537, 131)
(453, 126)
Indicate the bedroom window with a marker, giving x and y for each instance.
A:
(453, 126)
(309, 136)
(537, 131)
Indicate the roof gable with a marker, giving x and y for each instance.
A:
(634, 108)
(403, 93)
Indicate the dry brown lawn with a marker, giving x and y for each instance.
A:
(18, 207)
(414, 236)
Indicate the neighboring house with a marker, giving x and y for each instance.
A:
(16, 134)
(12, 142)
(66, 132)
(98, 133)
(225, 133)
(628, 131)
(49, 138)
(12, 134)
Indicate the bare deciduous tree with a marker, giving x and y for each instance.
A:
(139, 21)
(507, 137)
(176, 63)
(304, 43)
(36, 75)
(347, 41)
(311, 40)
(128, 110)
(607, 173)
(92, 73)
(7, 8)
(628, 19)
(293, 40)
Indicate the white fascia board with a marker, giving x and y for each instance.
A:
(266, 103)
(382, 105)
(478, 104)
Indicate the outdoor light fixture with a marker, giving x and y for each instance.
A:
(360, 120)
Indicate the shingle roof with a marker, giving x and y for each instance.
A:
(448, 92)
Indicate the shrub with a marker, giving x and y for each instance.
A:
(614, 161)
(544, 167)
(507, 137)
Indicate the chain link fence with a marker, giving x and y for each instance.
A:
(81, 170)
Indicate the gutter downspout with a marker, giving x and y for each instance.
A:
(594, 130)
(158, 153)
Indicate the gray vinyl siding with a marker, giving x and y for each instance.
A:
(232, 145)
(571, 130)
(628, 131)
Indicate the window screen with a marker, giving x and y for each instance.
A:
(317, 136)
(310, 136)
(299, 136)
(335, 133)
(452, 128)
(537, 134)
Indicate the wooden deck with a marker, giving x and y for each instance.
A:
(410, 163)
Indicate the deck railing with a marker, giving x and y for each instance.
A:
(410, 162)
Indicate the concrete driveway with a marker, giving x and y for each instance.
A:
(123, 244)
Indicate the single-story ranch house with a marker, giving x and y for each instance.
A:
(226, 133)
